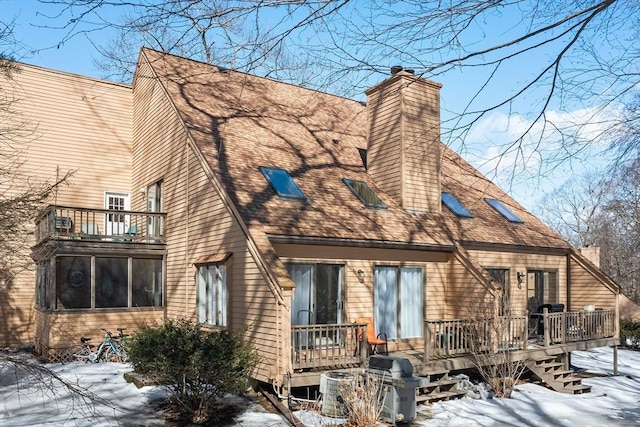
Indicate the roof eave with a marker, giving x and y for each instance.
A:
(358, 243)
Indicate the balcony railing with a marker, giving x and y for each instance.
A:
(328, 346)
(451, 338)
(68, 223)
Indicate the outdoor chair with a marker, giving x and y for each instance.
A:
(373, 340)
(89, 229)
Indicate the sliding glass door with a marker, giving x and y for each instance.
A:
(319, 294)
(399, 301)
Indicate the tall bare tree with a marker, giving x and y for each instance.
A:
(603, 210)
(552, 55)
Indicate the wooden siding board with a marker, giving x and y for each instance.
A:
(198, 224)
(522, 262)
(384, 143)
(72, 123)
(587, 290)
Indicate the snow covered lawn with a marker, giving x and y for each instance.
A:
(613, 401)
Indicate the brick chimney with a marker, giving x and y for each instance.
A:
(403, 153)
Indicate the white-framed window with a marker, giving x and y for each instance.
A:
(116, 223)
(399, 301)
(212, 294)
(154, 205)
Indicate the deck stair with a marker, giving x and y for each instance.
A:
(555, 376)
(439, 388)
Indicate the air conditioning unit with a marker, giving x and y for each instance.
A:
(332, 402)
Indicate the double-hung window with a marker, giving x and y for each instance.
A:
(212, 294)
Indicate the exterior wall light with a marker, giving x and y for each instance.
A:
(520, 276)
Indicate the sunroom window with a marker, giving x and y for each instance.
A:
(282, 183)
(364, 193)
(503, 210)
(98, 282)
(454, 205)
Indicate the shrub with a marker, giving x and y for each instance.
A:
(197, 367)
(630, 333)
(364, 400)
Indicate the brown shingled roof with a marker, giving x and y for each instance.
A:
(241, 122)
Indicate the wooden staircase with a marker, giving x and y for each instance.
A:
(439, 388)
(552, 372)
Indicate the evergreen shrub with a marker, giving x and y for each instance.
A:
(197, 367)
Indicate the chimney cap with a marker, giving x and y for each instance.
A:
(396, 69)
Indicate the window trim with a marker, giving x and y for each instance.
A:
(454, 205)
(503, 210)
(300, 196)
(399, 288)
(377, 204)
(218, 317)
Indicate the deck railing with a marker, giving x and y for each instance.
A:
(328, 346)
(450, 338)
(574, 326)
(64, 222)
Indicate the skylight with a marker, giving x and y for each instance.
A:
(503, 210)
(455, 206)
(364, 193)
(282, 183)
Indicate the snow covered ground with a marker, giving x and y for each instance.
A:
(613, 401)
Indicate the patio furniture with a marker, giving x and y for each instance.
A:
(373, 340)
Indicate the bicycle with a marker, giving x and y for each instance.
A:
(78, 353)
(109, 350)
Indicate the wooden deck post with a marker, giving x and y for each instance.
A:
(427, 341)
(615, 360)
(545, 324)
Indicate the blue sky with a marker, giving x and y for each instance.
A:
(517, 172)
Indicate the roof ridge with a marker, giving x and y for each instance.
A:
(248, 74)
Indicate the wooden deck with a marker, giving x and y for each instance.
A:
(448, 343)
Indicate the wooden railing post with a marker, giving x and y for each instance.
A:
(546, 326)
(427, 341)
(364, 348)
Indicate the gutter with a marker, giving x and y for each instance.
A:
(357, 243)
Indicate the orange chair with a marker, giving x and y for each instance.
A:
(372, 339)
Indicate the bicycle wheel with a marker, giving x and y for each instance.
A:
(124, 358)
(108, 355)
(75, 353)
(104, 355)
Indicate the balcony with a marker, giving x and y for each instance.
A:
(99, 225)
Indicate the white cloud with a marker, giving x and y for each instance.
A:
(528, 159)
